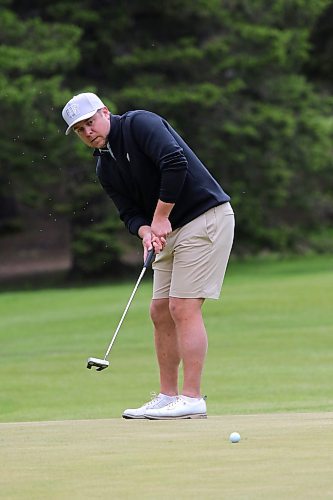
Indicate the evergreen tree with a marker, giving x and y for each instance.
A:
(38, 167)
(32, 55)
(232, 76)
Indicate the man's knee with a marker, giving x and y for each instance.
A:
(183, 309)
(159, 310)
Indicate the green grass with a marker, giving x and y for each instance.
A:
(268, 376)
(270, 345)
(279, 457)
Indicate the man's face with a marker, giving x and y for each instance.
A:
(95, 130)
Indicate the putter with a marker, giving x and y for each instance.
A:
(101, 364)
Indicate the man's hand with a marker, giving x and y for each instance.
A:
(161, 227)
(155, 235)
(149, 240)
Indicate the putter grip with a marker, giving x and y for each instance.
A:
(150, 258)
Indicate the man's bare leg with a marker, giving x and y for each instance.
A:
(192, 341)
(166, 345)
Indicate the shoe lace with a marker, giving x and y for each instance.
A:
(153, 397)
(174, 403)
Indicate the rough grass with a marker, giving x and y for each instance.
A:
(270, 348)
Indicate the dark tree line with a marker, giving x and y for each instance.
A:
(248, 84)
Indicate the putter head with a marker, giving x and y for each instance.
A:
(100, 364)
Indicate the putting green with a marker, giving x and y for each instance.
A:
(279, 456)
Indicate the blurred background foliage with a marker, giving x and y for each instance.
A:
(247, 83)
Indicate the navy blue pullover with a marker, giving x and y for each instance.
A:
(147, 160)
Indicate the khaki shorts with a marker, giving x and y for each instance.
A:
(195, 258)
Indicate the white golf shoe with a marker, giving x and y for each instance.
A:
(157, 402)
(181, 407)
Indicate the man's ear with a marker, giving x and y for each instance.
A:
(106, 111)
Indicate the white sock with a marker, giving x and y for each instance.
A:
(167, 396)
(190, 400)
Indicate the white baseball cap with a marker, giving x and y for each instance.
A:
(81, 107)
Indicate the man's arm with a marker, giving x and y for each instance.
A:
(155, 141)
(155, 235)
(160, 225)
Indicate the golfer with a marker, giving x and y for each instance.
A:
(167, 197)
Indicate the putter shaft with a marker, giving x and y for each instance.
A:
(103, 363)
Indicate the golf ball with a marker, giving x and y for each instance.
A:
(234, 437)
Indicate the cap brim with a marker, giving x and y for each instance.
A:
(83, 117)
